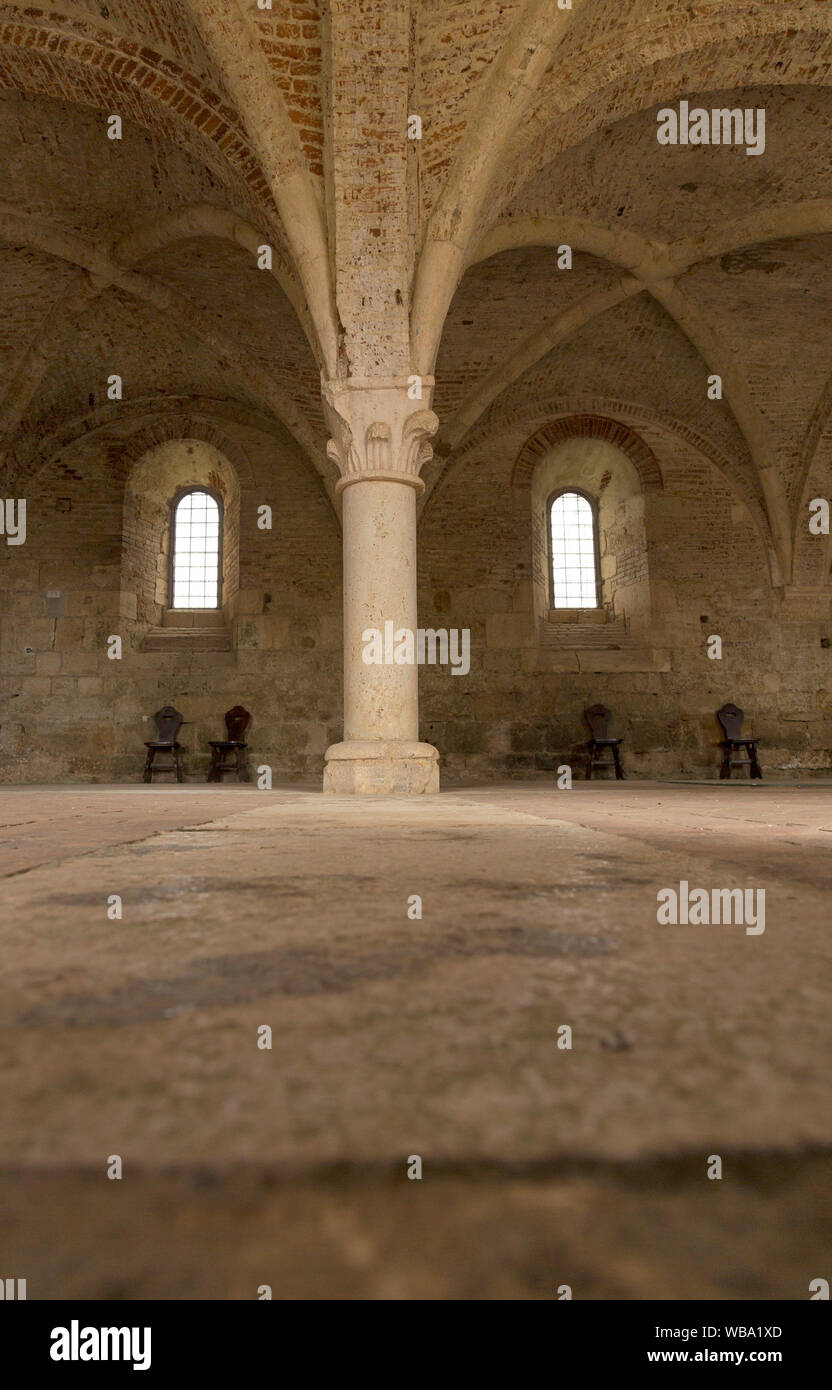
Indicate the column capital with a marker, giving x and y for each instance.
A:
(379, 430)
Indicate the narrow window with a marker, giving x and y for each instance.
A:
(196, 551)
(574, 551)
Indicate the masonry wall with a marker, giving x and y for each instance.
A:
(69, 712)
(519, 712)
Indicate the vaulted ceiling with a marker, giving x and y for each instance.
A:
(287, 127)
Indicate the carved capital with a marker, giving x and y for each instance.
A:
(378, 432)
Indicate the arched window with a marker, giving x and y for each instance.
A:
(196, 550)
(573, 536)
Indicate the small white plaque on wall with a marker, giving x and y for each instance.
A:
(55, 603)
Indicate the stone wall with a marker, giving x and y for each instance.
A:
(520, 709)
(71, 712)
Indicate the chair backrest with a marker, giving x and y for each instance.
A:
(598, 718)
(237, 721)
(168, 722)
(731, 717)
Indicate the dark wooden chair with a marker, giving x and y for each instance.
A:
(598, 718)
(229, 754)
(731, 718)
(168, 723)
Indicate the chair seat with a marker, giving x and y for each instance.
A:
(604, 742)
(226, 743)
(154, 743)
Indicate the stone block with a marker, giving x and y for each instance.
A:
(550, 659)
(612, 661)
(90, 685)
(527, 738)
(37, 633)
(36, 685)
(64, 687)
(249, 602)
(81, 663)
(69, 634)
(128, 605)
(509, 630)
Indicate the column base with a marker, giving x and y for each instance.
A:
(381, 767)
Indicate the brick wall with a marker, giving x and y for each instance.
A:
(520, 709)
(69, 712)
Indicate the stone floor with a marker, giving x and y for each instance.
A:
(394, 1037)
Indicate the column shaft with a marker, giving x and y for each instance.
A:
(381, 752)
(381, 701)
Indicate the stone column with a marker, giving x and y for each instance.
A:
(380, 441)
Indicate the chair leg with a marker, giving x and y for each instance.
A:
(180, 771)
(755, 770)
(589, 762)
(242, 767)
(147, 776)
(619, 771)
(725, 770)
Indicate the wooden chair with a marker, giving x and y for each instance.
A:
(168, 723)
(598, 718)
(229, 754)
(731, 718)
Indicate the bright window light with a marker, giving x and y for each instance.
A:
(574, 576)
(196, 551)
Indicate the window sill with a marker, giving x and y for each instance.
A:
(193, 617)
(577, 615)
(587, 630)
(191, 637)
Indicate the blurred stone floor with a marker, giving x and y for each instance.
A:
(394, 1037)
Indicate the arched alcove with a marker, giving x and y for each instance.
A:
(156, 481)
(607, 476)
